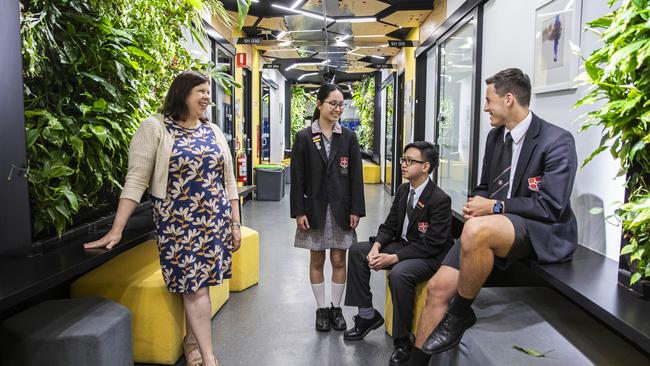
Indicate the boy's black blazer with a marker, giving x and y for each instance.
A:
(541, 187)
(428, 233)
(317, 180)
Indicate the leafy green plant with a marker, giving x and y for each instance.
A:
(93, 70)
(363, 97)
(619, 75)
(302, 106)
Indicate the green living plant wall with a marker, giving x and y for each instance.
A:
(302, 104)
(363, 97)
(619, 75)
(93, 69)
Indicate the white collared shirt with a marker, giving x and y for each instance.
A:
(418, 192)
(518, 133)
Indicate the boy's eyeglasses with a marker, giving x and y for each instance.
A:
(409, 161)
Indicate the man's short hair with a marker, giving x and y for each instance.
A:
(429, 152)
(512, 81)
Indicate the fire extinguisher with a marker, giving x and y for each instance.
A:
(242, 170)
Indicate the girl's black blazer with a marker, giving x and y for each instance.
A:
(317, 180)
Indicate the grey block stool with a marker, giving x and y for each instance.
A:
(88, 331)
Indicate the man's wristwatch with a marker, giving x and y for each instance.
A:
(497, 208)
(238, 224)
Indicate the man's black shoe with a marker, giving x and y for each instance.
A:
(448, 333)
(323, 319)
(400, 356)
(336, 318)
(363, 327)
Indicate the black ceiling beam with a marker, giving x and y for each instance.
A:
(405, 5)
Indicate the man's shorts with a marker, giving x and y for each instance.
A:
(522, 249)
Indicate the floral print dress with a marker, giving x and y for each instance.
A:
(193, 221)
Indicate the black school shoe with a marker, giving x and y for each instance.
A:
(337, 320)
(402, 351)
(323, 320)
(448, 333)
(362, 327)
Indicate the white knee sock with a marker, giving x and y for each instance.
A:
(337, 293)
(319, 294)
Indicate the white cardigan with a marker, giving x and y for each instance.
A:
(149, 153)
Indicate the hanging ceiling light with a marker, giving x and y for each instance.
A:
(305, 13)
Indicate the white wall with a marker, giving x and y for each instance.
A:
(277, 119)
(508, 34)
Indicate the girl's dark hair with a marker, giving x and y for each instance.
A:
(323, 92)
(174, 106)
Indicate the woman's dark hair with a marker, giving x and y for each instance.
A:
(429, 152)
(174, 106)
(323, 92)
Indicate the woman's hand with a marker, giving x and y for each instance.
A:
(108, 241)
(236, 238)
(354, 221)
(302, 222)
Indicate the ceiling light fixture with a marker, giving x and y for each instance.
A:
(343, 38)
(379, 57)
(282, 50)
(293, 66)
(305, 13)
(371, 36)
(356, 20)
(281, 35)
(305, 75)
(285, 43)
(295, 5)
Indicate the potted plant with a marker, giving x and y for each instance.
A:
(619, 75)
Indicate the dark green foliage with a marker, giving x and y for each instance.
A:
(363, 95)
(302, 107)
(93, 69)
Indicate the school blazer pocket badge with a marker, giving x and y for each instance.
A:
(533, 183)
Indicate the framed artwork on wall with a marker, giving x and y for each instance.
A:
(557, 27)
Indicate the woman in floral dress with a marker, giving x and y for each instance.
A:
(186, 163)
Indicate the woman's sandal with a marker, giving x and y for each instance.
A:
(192, 352)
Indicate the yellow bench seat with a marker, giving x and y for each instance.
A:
(134, 279)
(246, 261)
(371, 173)
(420, 298)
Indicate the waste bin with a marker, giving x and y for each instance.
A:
(270, 182)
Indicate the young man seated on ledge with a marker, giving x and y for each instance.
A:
(411, 243)
(520, 211)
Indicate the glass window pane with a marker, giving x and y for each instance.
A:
(389, 122)
(455, 113)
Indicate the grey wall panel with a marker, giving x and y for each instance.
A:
(15, 225)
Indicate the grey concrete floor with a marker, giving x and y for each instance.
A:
(273, 323)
